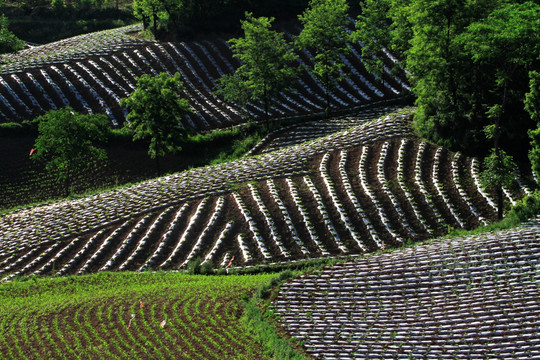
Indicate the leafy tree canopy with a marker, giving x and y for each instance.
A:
(498, 173)
(324, 34)
(460, 55)
(168, 17)
(68, 142)
(532, 98)
(534, 152)
(532, 105)
(373, 33)
(504, 44)
(8, 41)
(499, 170)
(266, 59)
(509, 36)
(155, 109)
(161, 16)
(235, 89)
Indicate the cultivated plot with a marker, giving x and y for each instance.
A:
(370, 187)
(474, 297)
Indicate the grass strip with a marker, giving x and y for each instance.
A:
(259, 322)
(524, 210)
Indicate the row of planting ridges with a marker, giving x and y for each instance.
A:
(74, 48)
(473, 297)
(62, 219)
(329, 210)
(94, 81)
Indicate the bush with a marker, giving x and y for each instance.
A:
(526, 208)
(121, 135)
(58, 6)
(207, 268)
(194, 266)
(17, 129)
(8, 41)
(11, 128)
(239, 148)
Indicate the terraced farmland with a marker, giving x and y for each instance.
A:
(311, 130)
(366, 188)
(474, 297)
(92, 73)
(127, 316)
(79, 47)
(334, 188)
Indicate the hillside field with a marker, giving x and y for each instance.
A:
(473, 297)
(314, 228)
(128, 316)
(337, 195)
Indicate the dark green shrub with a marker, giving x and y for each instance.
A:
(124, 134)
(526, 208)
(11, 129)
(8, 41)
(194, 266)
(207, 268)
(58, 6)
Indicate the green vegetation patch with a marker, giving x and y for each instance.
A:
(43, 31)
(26, 182)
(524, 210)
(127, 316)
(261, 321)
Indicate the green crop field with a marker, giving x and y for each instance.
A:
(127, 316)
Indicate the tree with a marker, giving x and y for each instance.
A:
(504, 45)
(532, 98)
(151, 13)
(499, 172)
(534, 152)
(437, 42)
(140, 11)
(440, 72)
(69, 142)
(155, 110)
(422, 34)
(266, 68)
(532, 105)
(235, 89)
(8, 41)
(324, 34)
(374, 34)
(178, 17)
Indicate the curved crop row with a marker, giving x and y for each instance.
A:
(472, 297)
(94, 80)
(75, 48)
(64, 219)
(345, 201)
(127, 316)
(297, 134)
